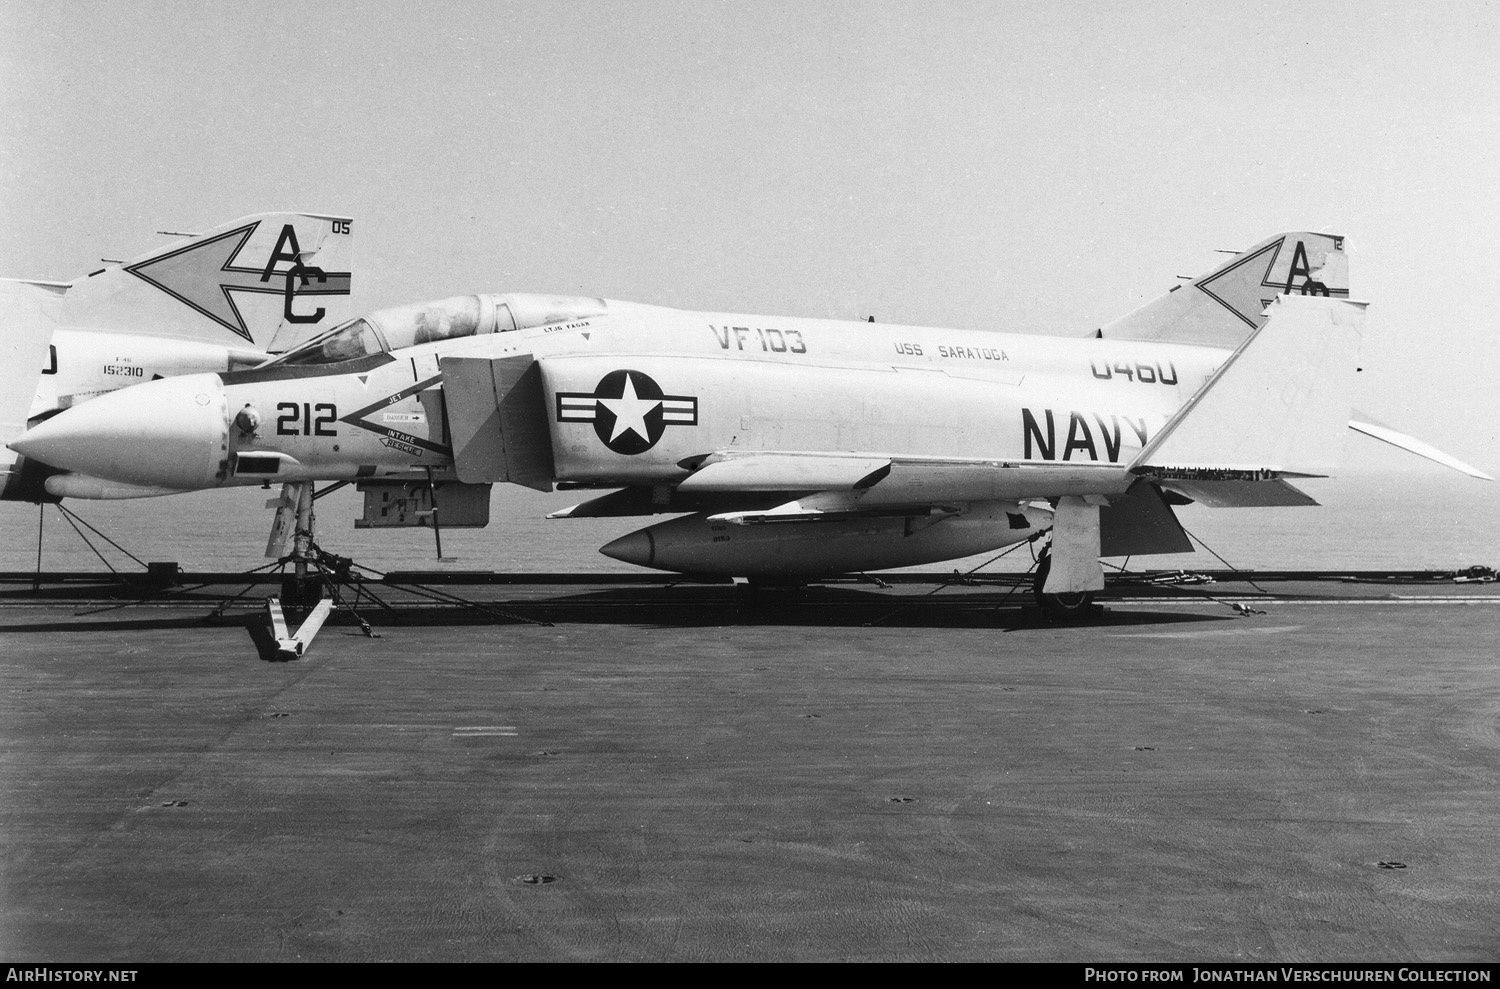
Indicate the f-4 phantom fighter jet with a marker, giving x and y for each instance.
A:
(791, 449)
(212, 301)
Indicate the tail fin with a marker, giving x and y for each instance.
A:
(28, 316)
(1226, 305)
(267, 280)
(1279, 405)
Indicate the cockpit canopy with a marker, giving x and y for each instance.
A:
(446, 319)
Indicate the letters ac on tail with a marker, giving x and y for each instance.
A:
(262, 282)
(208, 275)
(789, 448)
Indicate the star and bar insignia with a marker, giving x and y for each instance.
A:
(629, 411)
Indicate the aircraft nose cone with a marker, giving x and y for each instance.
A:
(637, 548)
(171, 433)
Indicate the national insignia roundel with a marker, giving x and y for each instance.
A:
(629, 411)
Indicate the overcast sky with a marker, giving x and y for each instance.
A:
(1038, 167)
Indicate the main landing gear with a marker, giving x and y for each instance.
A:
(1073, 605)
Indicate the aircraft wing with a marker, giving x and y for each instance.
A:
(794, 488)
(769, 471)
(873, 479)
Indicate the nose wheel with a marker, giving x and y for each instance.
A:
(301, 590)
(1073, 605)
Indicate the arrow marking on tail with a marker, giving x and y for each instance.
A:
(203, 275)
(1240, 284)
(1246, 290)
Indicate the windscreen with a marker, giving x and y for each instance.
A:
(355, 338)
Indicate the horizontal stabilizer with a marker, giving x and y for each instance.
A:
(1212, 492)
(1363, 424)
(52, 288)
(1278, 405)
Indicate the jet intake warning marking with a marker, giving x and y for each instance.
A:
(628, 410)
(395, 438)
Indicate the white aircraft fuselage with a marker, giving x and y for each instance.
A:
(789, 447)
(636, 392)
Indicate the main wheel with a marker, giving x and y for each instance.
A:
(1072, 605)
